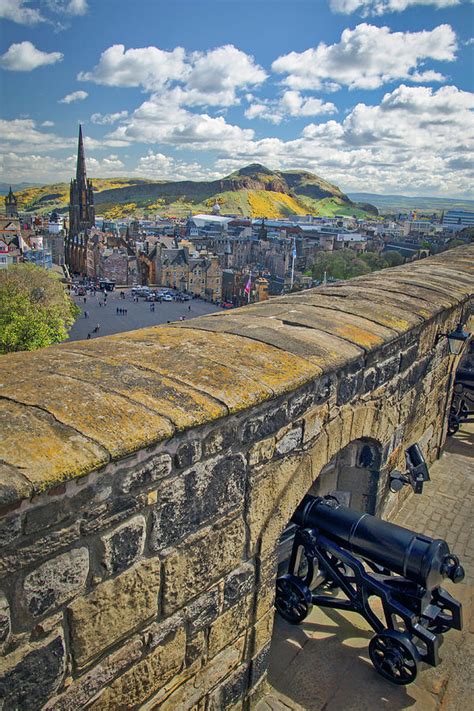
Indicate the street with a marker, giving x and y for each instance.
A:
(138, 314)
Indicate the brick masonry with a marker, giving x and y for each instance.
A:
(141, 516)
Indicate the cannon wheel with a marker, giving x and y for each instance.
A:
(293, 599)
(394, 657)
(453, 424)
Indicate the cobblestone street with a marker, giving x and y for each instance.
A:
(323, 664)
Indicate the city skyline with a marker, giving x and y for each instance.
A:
(367, 97)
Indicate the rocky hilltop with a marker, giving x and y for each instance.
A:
(251, 191)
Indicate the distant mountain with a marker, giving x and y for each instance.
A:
(251, 191)
(404, 203)
(5, 187)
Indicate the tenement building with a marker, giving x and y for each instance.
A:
(146, 479)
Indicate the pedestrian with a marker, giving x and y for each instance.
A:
(189, 307)
(117, 310)
(86, 314)
(181, 318)
(85, 299)
(88, 336)
(97, 327)
(100, 305)
(126, 312)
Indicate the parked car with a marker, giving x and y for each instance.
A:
(227, 305)
(167, 297)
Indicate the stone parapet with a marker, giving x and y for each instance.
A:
(145, 479)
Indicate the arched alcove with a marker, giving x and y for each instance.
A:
(353, 476)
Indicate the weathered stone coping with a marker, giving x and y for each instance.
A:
(70, 409)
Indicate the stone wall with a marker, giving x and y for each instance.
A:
(146, 478)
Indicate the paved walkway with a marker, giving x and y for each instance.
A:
(323, 664)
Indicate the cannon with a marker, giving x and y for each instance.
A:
(339, 550)
(462, 403)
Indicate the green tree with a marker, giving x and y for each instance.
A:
(35, 310)
(393, 258)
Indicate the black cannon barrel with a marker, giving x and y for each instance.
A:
(422, 559)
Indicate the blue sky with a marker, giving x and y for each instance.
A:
(373, 95)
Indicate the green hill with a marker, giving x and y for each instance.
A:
(253, 191)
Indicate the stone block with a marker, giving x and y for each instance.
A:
(259, 427)
(188, 453)
(274, 497)
(203, 611)
(266, 491)
(113, 609)
(124, 545)
(259, 665)
(145, 678)
(155, 634)
(80, 691)
(56, 581)
(319, 454)
(313, 422)
(208, 490)
(30, 552)
(231, 691)
(112, 512)
(10, 529)
(289, 439)
(33, 673)
(262, 451)
(5, 621)
(230, 625)
(153, 470)
(219, 439)
(189, 694)
(263, 631)
(200, 561)
(238, 584)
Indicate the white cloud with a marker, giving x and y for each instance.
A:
(16, 167)
(158, 166)
(107, 119)
(149, 67)
(22, 136)
(162, 119)
(216, 75)
(48, 124)
(16, 11)
(75, 96)
(381, 7)
(291, 103)
(24, 56)
(368, 57)
(205, 78)
(68, 7)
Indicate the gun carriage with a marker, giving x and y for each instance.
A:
(462, 403)
(339, 550)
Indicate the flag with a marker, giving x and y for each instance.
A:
(248, 285)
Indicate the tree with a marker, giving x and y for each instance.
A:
(393, 258)
(35, 310)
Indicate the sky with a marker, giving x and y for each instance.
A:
(372, 95)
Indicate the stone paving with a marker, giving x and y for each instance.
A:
(138, 314)
(323, 664)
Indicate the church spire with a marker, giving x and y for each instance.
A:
(81, 162)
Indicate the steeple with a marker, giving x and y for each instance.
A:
(81, 161)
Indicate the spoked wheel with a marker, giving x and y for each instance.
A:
(453, 424)
(394, 657)
(293, 599)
